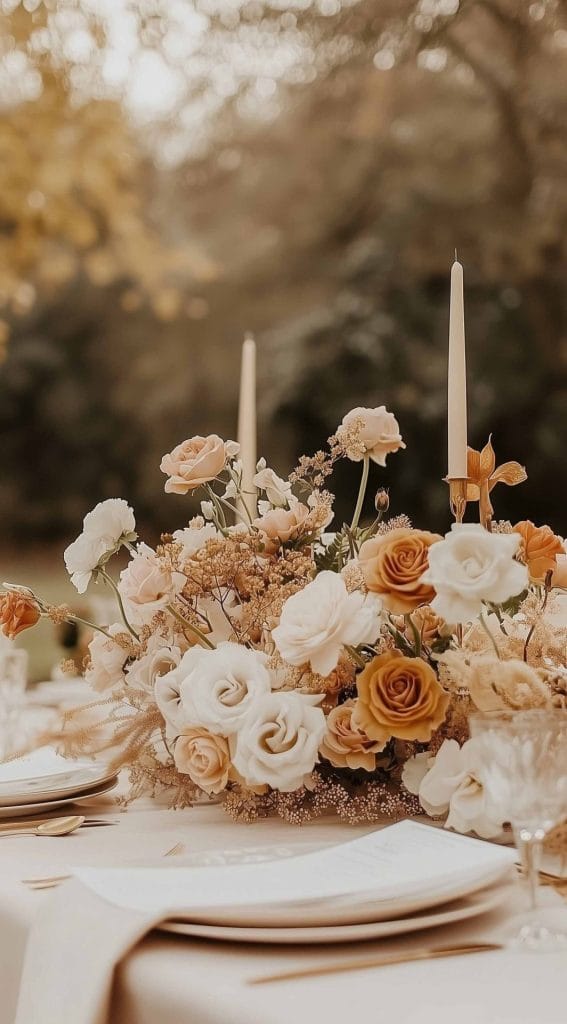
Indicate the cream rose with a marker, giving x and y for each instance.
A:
(107, 659)
(216, 689)
(454, 784)
(278, 741)
(346, 745)
(204, 757)
(194, 462)
(559, 578)
(379, 433)
(318, 621)
(401, 697)
(159, 659)
(470, 567)
(147, 585)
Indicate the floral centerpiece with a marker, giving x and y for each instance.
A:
(261, 659)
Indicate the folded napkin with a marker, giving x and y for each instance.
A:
(76, 943)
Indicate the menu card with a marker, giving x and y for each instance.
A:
(392, 863)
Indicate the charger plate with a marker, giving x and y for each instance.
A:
(56, 786)
(21, 810)
(459, 910)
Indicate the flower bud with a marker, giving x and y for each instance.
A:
(382, 500)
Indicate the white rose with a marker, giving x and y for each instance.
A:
(193, 538)
(318, 621)
(472, 566)
(82, 557)
(108, 658)
(278, 741)
(454, 784)
(159, 659)
(278, 491)
(147, 585)
(215, 688)
(112, 520)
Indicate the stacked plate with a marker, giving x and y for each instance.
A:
(44, 781)
(403, 878)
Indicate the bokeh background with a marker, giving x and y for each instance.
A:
(176, 172)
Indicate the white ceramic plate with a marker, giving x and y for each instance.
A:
(480, 903)
(21, 810)
(55, 786)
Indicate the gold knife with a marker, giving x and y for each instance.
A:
(380, 961)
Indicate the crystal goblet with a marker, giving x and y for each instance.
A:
(524, 776)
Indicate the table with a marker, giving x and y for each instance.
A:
(172, 980)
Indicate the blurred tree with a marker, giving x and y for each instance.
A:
(325, 159)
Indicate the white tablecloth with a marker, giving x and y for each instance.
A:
(170, 980)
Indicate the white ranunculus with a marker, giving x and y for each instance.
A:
(319, 620)
(159, 659)
(472, 566)
(107, 662)
(278, 740)
(278, 491)
(109, 524)
(82, 557)
(113, 520)
(216, 688)
(414, 771)
(454, 784)
(193, 538)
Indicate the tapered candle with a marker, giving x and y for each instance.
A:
(457, 379)
(247, 421)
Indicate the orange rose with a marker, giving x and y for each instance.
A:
(345, 744)
(539, 549)
(17, 612)
(401, 697)
(393, 564)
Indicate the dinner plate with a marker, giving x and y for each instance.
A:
(54, 786)
(21, 810)
(473, 906)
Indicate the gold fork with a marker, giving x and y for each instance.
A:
(51, 881)
(380, 961)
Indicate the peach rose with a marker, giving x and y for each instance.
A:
(393, 564)
(281, 524)
(204, 757)
(401, 697)
(378, 435)
(148, 585)
(345, 744)
(539, 549)
(194, 462)
(17, 612)
(559, 578)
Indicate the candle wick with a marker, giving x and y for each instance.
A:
(456, 257)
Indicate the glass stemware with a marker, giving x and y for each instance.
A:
(524, 776)
(13, 679)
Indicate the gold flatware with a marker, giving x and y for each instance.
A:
(22, 823)
(53, 827)
(175, 850)
(381, 961)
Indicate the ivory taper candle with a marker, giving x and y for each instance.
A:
(457, 380)
(247, 429)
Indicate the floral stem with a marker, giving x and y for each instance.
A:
(485, 626)
(90, 625)
(353, 653)
(361, 492)
(204, 640)
(108, 579)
